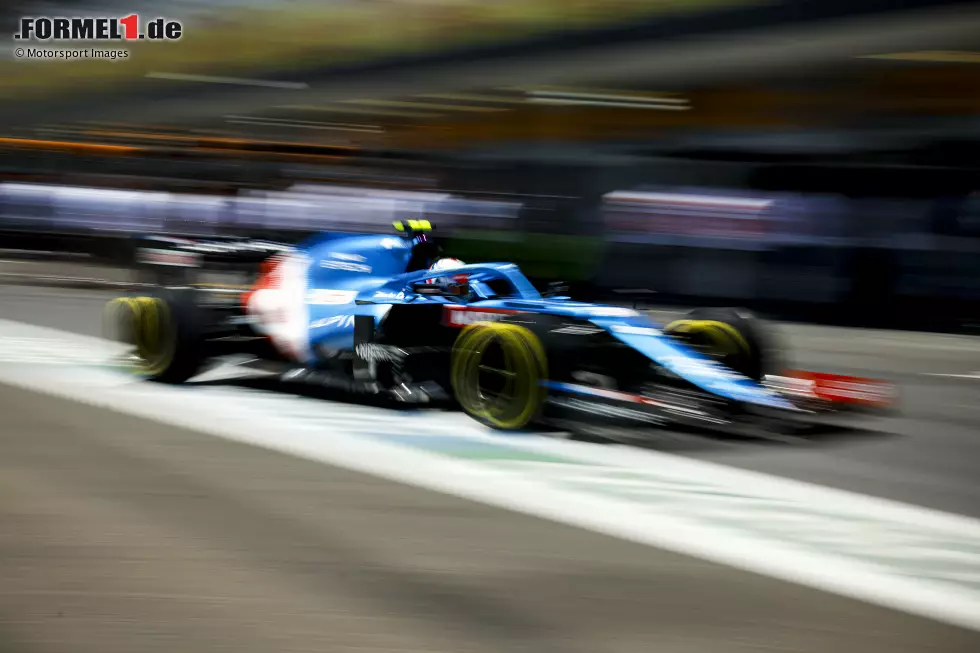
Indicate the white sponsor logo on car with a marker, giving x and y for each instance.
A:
(345, 265)
(609, 311)
(576, 330)
(693, 367)
(343, 261)
(337, 321)
(466, 318)
(341, 256)
(397, 296)
(635, 330)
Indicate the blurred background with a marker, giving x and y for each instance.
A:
(810, 159)
(813, 160)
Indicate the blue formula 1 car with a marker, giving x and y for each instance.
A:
(385, 315)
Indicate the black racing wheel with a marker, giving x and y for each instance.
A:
(733, 337)
(166, 328)
(496, 374)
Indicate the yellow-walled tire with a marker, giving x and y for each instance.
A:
(164, 329)
(497, 373)
(735, 338)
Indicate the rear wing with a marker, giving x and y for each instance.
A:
(198, 253)
(163, 260)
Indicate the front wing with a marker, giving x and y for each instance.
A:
(817, 400)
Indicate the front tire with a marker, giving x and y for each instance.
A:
(497, 373)
(735, 338)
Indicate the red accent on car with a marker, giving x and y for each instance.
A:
(848, 389)
(458, 317)
(268, 278)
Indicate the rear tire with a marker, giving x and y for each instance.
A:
(166, 328)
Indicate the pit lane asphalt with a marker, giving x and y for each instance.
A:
(927, 455)
(121, 534)
(124, 535)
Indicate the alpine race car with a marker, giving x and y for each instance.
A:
(386, 315)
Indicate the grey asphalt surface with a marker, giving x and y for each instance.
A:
(120, 534)
(928, 455)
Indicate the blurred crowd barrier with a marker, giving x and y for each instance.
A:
(861, 260)
(303, 209)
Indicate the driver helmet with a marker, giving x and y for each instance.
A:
(444, 264)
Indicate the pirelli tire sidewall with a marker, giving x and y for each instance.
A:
(527, 361)
(167, 328)
(755, 351)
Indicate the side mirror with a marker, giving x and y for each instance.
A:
(423, 288)
(556, 290)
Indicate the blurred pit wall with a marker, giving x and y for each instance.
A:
(818, 257)
(814, 256)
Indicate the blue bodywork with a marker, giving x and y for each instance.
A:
(366, 275)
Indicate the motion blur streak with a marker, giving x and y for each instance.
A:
(801, 176)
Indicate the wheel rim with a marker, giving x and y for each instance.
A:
(497, 375)
(157, 341)
(146, 323)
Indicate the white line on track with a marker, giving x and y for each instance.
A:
(908, 558)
